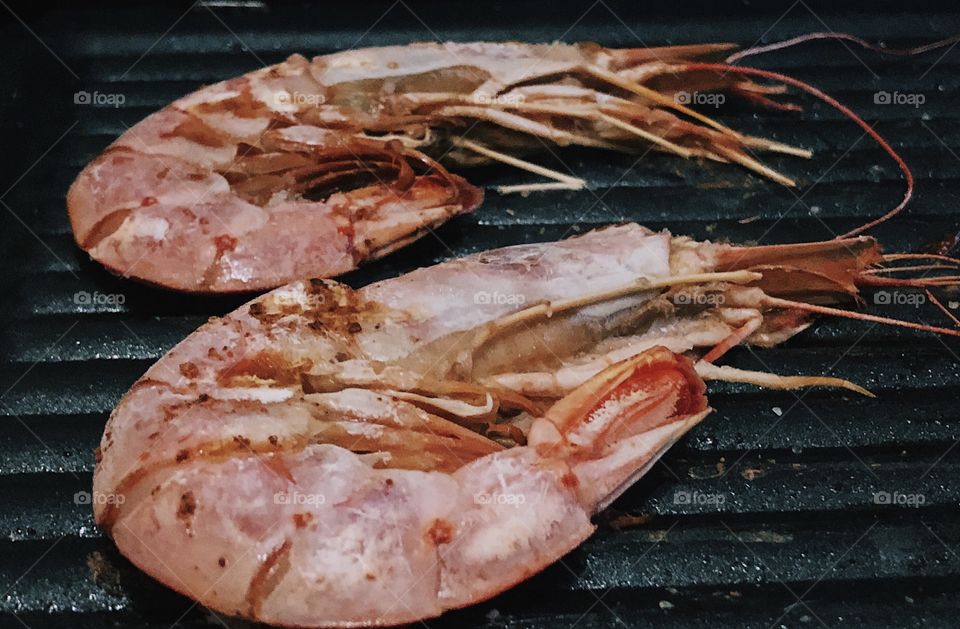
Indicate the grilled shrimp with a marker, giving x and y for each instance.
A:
(299, 530)
(329, 456)
(310, 167)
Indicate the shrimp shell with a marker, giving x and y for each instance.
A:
(308, 168)
(327, 456)
(354, 507)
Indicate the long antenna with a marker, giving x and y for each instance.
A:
(787, 43)
(806, 87)
(860, 316)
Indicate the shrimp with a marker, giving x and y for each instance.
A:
(308, 533)
(308, 168)
(328, 456)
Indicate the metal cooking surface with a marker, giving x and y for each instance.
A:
(771, 512)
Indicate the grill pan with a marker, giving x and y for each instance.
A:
(803, 510)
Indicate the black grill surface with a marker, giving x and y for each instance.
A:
(770, 513)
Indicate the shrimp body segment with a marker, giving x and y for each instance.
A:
(308, 168)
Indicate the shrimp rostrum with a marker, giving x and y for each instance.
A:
(326, 456)
(309, 167)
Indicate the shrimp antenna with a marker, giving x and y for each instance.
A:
(881, 275)
(806, 87)
(894, 257)
(779, 302)
(560, 180)
(827, 35)
(725, 155)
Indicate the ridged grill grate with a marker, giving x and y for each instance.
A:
(798, 515)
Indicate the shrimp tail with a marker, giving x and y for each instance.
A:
(621, 421)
